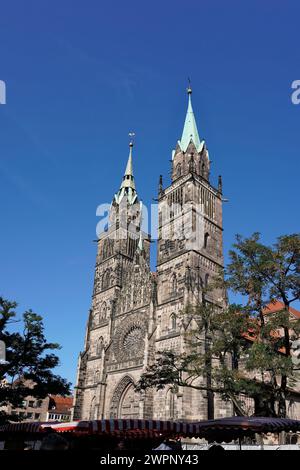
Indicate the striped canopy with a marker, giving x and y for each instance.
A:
(121, 426)
(220, 430)
(228, 429)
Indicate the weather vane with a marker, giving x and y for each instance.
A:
(131, 135)
(189, 88)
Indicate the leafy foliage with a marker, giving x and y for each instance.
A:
(238, 349)
(30, 360)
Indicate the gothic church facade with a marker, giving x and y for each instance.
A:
(135, 313)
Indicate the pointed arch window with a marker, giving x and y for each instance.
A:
(103, 311)
(106, 279)
(99, 346)
(200, 282)
(178, 170)
(170, 405)
(206, 280)
(173, 322)
(104, 250)
(206, 237)
(97, 376)
(174, 284)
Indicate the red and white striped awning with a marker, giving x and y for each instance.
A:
(22, 427)
(219, 429)
(117, 426)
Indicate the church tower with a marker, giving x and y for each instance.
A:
(189, 255)
(117, 330)
(136, 313)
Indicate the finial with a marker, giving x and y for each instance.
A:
(160, 184)
(189, 88)
(131, 135)
(220, 184)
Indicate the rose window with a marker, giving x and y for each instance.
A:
(133, 342)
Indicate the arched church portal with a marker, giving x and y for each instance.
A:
(125, 402)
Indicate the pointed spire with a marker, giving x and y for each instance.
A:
(128, 179)
(190, 131)
(128, 185)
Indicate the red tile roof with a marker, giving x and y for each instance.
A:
(272, 307)
(60, 404)
(276, 306)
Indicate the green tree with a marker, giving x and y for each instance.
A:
(213, 340)
(265, 274)
(234, 350)
(30, 359)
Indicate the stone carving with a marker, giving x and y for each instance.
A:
(118, 392)
(133, 341)
(129, 341)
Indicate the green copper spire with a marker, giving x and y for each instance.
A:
(128, 179)
(128, 185)
(190, 131)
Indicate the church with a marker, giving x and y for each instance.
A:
(135, 313)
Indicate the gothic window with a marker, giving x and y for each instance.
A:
(106, 279)
(174, 284)
(170, 405)
(97, 376)
(206, 280)
(178, 170)
(99, 346)
(173, 322)
(107, 249)
(103, 311)
(206, 237)
(104, 249)
(133, 342)
(93, 408)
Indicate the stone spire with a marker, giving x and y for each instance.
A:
(190, 131)
(127, 187)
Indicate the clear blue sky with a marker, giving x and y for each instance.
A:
(81, 75)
